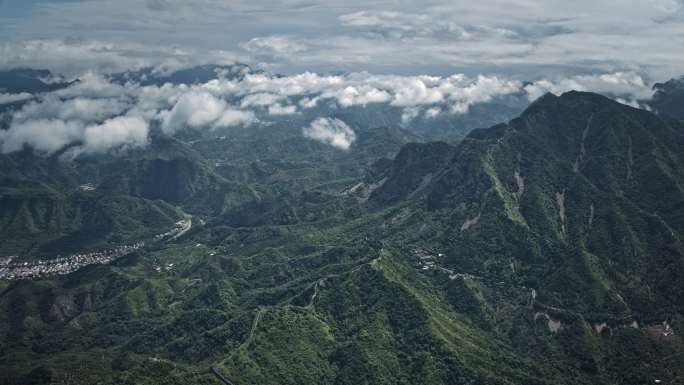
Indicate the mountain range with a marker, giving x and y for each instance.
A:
(544, 250)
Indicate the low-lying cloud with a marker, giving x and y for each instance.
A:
(331, 131)
(626, 86)
(202, 109)
(44, 135)
(117, 132)
(457, 92)
(51, 135)
(98, 114)
(80, 108)
(10, 98)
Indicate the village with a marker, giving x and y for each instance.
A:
(427, 260)
(64, 265)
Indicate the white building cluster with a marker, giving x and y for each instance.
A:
(181, 227)
(428, 261)
(65, 265)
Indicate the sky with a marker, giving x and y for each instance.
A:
(522, 38)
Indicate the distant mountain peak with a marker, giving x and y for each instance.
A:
(668, 99)
(192, 75)
(32, 81)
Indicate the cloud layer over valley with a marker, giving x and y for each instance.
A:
(98, 113)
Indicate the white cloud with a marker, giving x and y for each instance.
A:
(43, 135)
(80, 108)
(91, 110)
(296, 84)
(629, 86)
(464, 92)
(414, 92)
(260, 97)
(89, 115)
(409, 114)
(193, 109)
(151, 99)
(50, 135)
(231, 118)
(9, 98)
(357, 95)
(432, 112)
(331, 131)
(120, 131)
(92, 85)
(309, 102)
(362, 88)
(631, 103)
(277, 47)
(278, 109)
(201, 109)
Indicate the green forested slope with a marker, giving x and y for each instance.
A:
(551, 254)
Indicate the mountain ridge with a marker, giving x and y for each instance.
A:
(545, 250)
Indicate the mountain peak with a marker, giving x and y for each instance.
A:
(668, 99)
(569, 98)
